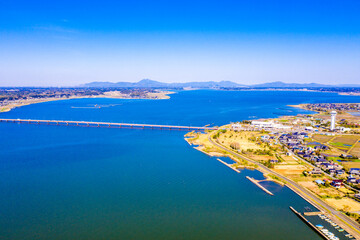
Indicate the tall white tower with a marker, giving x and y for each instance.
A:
(332, 124)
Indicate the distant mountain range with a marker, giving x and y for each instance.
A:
(147, 83)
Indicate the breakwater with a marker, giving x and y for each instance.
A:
(259, 185)
(229, 165)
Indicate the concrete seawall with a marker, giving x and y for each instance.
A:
(226, 164)
(259, 185)
(309, 223)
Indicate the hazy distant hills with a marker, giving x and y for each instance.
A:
(147, 83)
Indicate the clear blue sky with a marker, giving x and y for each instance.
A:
(62, 43)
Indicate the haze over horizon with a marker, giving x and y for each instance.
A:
(69, 43)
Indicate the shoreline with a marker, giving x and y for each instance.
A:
(162, 95)
(270, 175)
(301, 192)
(295, 90)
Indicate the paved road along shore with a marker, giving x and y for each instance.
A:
(301, 191)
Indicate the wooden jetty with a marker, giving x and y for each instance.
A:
(259, 185)
(108, 124)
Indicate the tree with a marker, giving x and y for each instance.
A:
(235, 145)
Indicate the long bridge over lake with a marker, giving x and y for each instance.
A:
(107, 124)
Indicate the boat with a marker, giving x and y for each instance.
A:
(341, 230)
(319, 226)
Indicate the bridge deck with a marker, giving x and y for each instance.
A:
(107, 124)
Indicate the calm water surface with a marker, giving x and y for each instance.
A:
(99, 183)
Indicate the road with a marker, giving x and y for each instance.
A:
(304, 193)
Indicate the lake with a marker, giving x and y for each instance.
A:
(59, 182)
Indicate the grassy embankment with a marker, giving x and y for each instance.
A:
(250, 145)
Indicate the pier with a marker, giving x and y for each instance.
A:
(309, 223)
(229, 165)
(259, 185)
(312, 213)
(108, 124)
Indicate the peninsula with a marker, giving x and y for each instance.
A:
(16, 97)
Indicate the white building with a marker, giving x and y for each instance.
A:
(344, 129)
(261, 124)
(236, 126)
(332, 123)
(268, 125)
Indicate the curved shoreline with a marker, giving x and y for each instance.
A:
(155, 96)
(207, 147)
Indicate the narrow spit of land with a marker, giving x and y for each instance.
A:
(6, 107)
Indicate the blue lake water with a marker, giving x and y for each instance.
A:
(60, 182)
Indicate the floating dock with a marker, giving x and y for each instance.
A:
(229, 165)
(259, 185)
(309, 223)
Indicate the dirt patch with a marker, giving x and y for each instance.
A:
(355, 151)
(346, 204)
(289, 169)
(345, 140)
(321, 191)
(351, 164)
(321, 138)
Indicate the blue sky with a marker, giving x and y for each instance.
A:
(64, 43)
